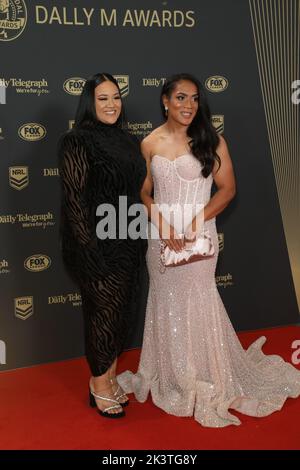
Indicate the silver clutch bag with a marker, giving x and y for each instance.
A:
(202, 248)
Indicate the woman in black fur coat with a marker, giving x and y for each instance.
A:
(99, 162)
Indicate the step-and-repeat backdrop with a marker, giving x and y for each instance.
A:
(246, 53)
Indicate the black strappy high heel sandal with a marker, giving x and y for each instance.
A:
(118, 393)
(94, 396)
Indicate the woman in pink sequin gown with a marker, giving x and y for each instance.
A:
(192, 361)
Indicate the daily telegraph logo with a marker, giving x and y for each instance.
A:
(2, 352)
(74, 85)
(73, 298)
(13, 18)
(216, 83)
(29, 220)
(156, 82)
(37, 263)
(32, 131)
(217, 121)
(225, 280)
(123, 82)
(140, 129)
(23, 307)
(18, 177)
(4, 267)
(50, 172)
(32, 87)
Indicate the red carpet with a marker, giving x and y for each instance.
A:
(45, 407)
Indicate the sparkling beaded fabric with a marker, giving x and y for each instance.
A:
(191, 360)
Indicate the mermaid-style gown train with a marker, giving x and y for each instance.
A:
(192, 361)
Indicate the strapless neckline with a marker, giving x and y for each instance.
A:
(174, 166)
(172, 161)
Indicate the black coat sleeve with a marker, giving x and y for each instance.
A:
(74, 171)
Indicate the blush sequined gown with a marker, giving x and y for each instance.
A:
(192, 361)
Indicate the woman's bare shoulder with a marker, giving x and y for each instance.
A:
(149, 143)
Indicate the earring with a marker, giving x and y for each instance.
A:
(166, 109)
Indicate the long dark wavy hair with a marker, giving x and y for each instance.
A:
(204, 137)
(86, 112)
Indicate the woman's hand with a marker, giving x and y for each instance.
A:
(171, 238)
(189, 239)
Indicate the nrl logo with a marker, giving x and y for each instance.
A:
(221, 241)
(218, 122)
(123, 82)
(18, 177)
(23, 307)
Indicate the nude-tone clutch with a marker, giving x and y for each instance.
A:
(202, 248)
